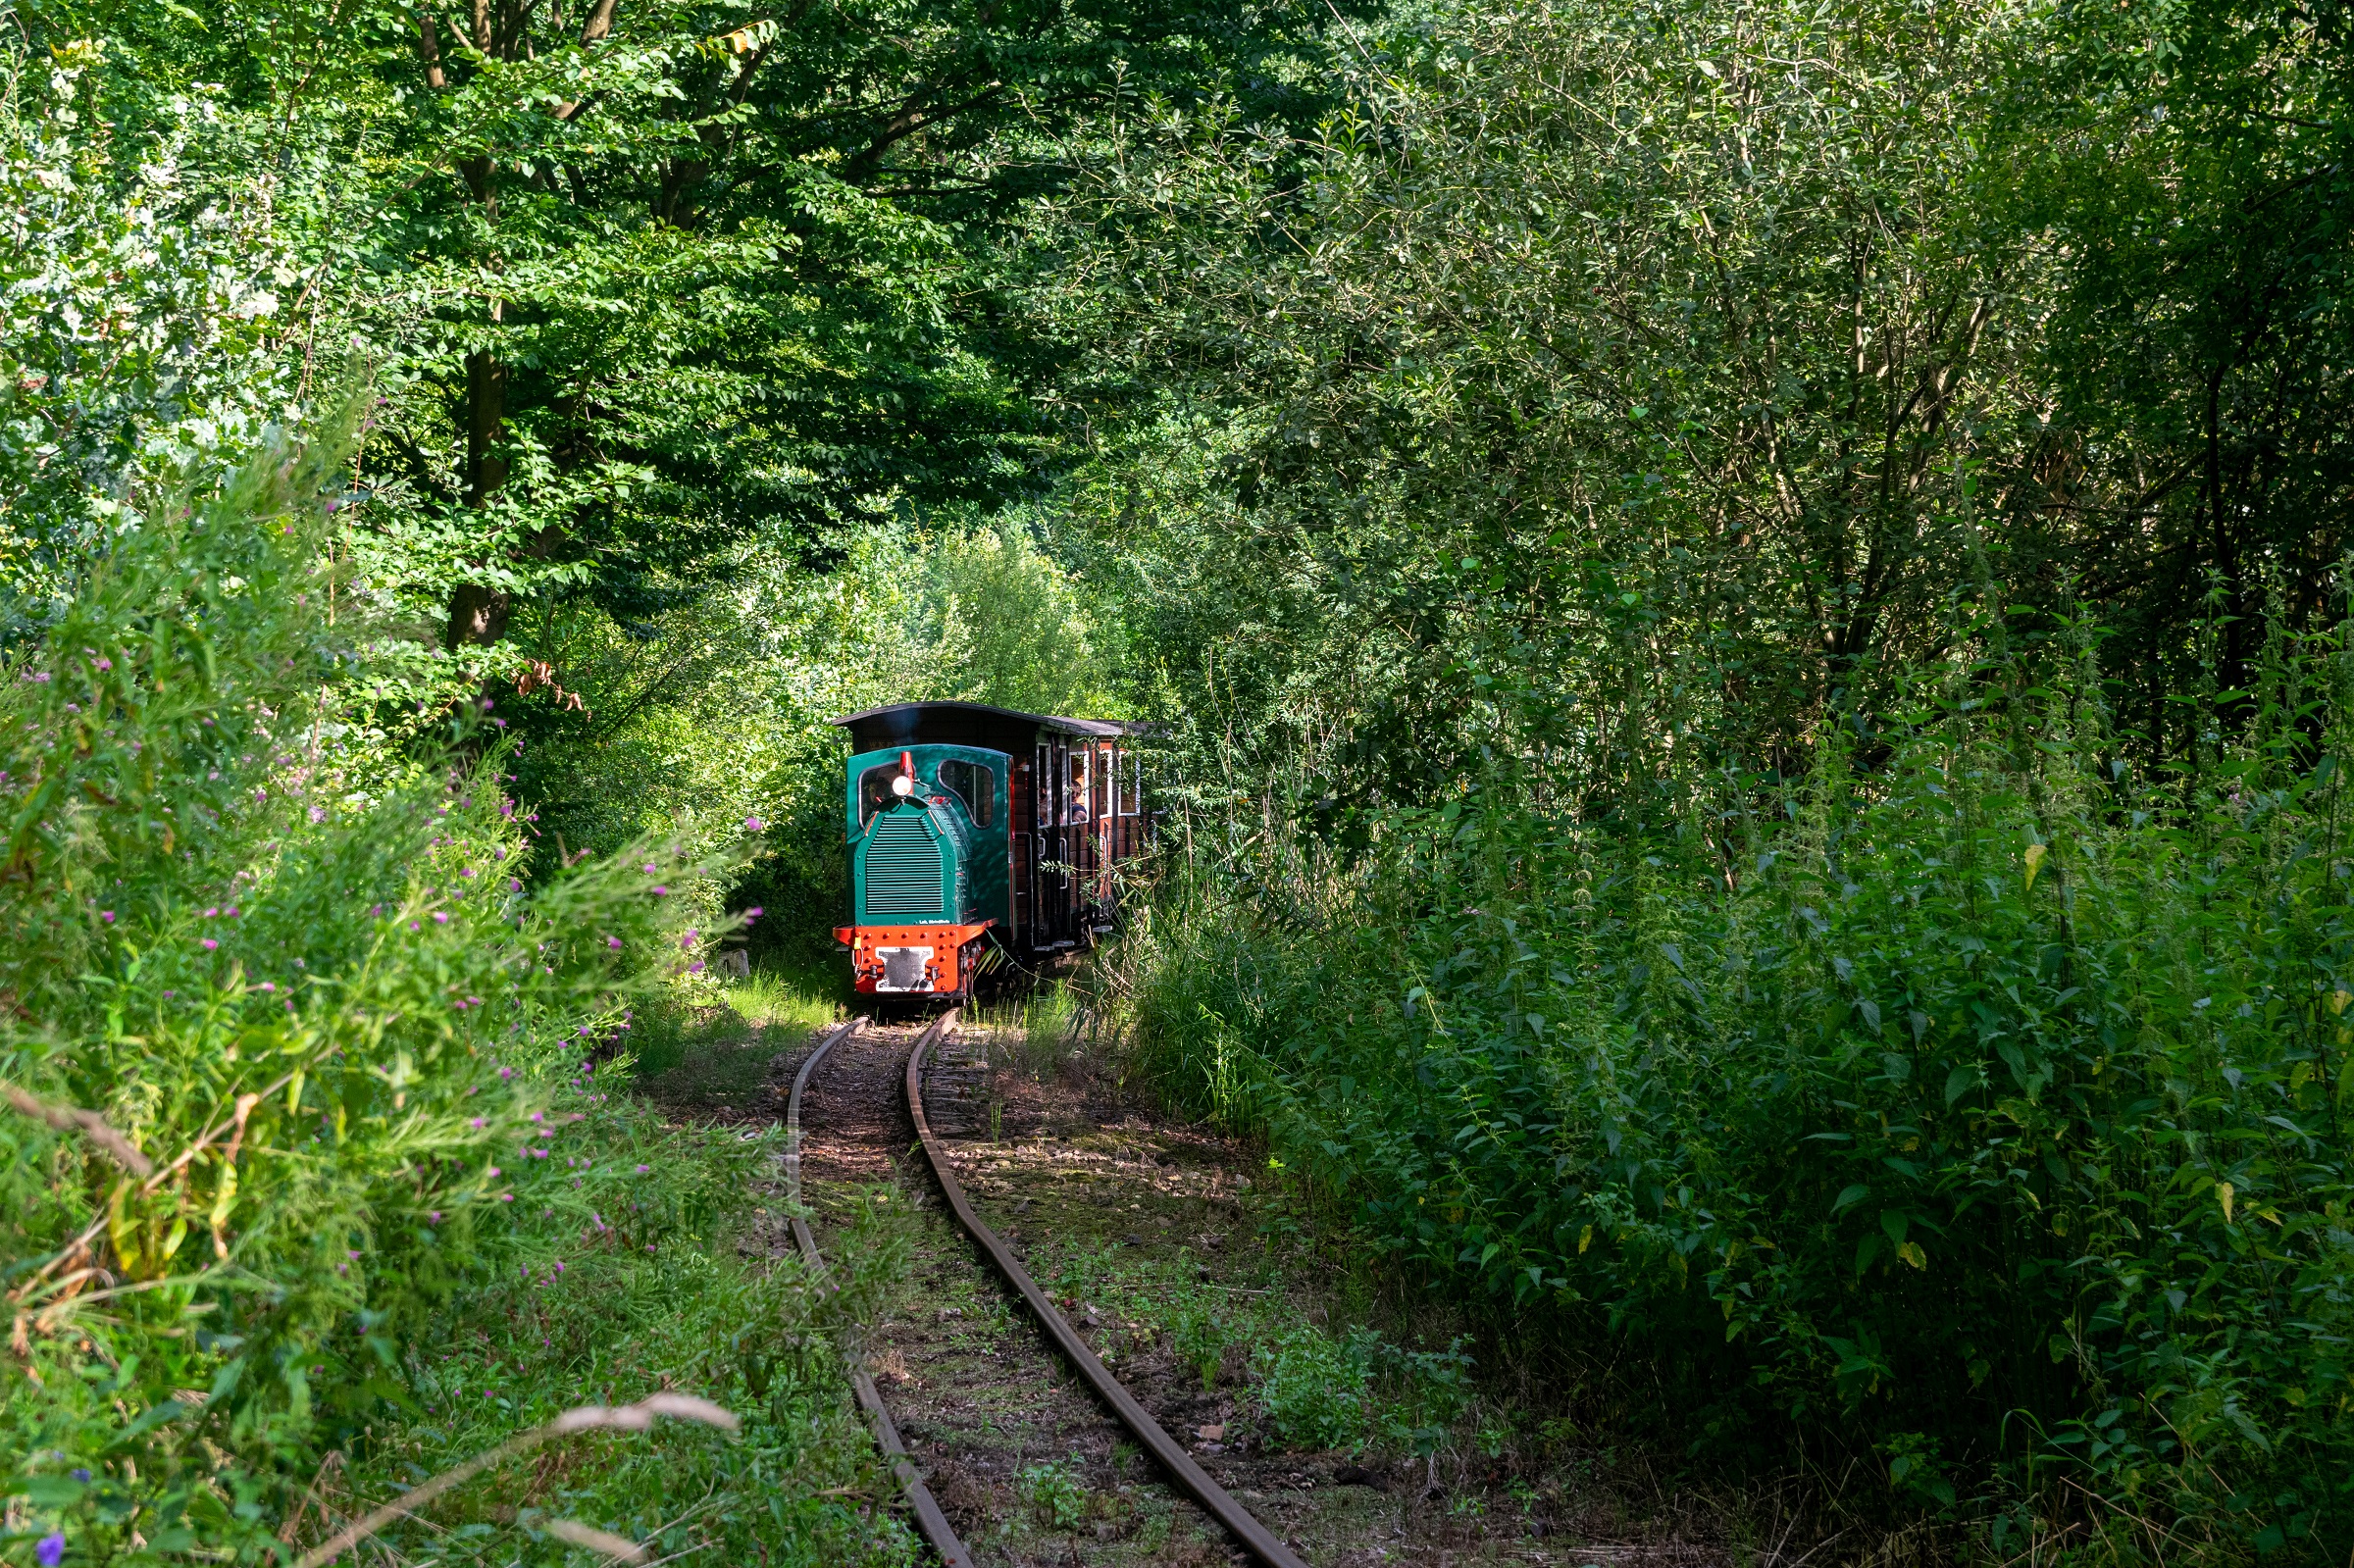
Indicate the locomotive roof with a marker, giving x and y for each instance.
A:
(953, 724)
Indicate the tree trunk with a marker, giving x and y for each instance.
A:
(478, 613)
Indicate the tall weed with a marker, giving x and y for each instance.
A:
(293, 1047)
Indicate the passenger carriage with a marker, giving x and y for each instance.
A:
(979, 834)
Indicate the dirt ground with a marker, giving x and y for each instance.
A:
(1145, 1230)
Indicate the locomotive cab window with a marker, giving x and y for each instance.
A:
(875, 791)
(975, 785)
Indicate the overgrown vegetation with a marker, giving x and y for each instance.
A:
(1740, 607)
(1980, 1107)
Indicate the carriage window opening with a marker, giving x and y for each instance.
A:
(874, 791)
(1131, 789)
(1079, 786)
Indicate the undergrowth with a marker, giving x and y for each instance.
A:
(659, 1301)
(1974, 1102)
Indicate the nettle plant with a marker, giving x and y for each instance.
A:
(291, 1045)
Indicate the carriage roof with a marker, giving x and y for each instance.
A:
(970, 724)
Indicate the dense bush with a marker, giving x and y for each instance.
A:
(285, 1032)
(1975, 1097)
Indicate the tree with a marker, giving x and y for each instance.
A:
(659, 277)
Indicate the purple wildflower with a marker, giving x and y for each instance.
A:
(440, 917)
(107, 915)
(752, 823)
(661, 891)
(50, 1550)
(210, 944)
(613, 942)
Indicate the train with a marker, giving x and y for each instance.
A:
(982, 839)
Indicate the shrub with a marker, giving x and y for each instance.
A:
(1975, 1097)
(292, 1047)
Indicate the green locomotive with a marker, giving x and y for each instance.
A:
(976, 831)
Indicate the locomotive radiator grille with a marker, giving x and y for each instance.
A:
(904, 866)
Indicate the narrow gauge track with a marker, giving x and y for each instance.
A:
(927, 1517)
(1214, 1499)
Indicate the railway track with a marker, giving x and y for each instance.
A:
(1245, 1530)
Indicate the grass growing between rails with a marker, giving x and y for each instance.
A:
(1977, 1113)
(658, 1301)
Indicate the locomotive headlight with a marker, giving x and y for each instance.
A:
(902, 785)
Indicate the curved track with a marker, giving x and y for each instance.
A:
(928, 1518)
(1214, 1499)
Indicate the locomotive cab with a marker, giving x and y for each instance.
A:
(927, 862)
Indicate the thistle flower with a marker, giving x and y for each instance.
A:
(210, 944)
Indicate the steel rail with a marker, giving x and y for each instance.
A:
(1255, 1537)
(928, 1518)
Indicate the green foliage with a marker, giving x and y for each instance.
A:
(135, 315)
(605, 1316)
(1974, 1095)
(718, 713)
(254, 952)
(1054, 1494)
